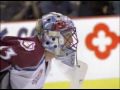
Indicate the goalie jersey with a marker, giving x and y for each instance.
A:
(24, 59)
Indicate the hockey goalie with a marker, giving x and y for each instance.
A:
(25, 62)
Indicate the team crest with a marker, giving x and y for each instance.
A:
(27, 45)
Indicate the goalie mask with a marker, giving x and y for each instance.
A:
(57, 33)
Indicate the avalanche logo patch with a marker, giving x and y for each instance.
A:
(27, 45)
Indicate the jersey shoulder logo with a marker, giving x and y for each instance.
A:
(27, 45)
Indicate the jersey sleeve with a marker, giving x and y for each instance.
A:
(20, 52)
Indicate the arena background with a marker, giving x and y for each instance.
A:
(101, 18)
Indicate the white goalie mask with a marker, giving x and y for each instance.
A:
(57, 33)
